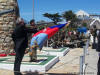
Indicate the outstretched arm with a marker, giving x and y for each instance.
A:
(68, 24)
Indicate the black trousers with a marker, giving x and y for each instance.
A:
(98, 66)
(20, 47)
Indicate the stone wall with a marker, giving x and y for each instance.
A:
(7, 23)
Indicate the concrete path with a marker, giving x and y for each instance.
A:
(91, 61)
(68, 64)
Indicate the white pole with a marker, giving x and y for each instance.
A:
(47, 43)
(86, 45)
(81, 65)
(33, 9)
(84, 53)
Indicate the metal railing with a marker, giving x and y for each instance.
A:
(82, 58)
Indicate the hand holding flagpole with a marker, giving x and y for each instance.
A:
(68, 24)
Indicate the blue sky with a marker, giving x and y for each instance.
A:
(55, 6)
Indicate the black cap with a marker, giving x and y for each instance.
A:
(32, 21)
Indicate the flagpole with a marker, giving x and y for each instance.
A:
(33, 9)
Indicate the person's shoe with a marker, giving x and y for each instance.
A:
(16, 73)
(34, 60)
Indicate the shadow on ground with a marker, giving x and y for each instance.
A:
(31, 73)
(36, 73)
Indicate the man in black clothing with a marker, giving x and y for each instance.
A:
(20, 39)
(98, 49)
(94, 37)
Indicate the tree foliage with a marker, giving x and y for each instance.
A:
(54, 17)
(84, 24)
(69, 15)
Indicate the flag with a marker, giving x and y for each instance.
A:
(44, 34)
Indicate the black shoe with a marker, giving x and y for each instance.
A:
(16, 73)
(34, 60)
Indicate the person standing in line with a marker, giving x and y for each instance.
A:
(94, 37)
(98, 50)
(20, 39)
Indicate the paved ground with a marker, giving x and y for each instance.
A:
(69, 64)
(91, 60)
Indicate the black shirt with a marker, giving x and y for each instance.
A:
(21, 31)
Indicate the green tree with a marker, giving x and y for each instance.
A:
(69, 15)
(84, 24)
(41, 22)
(54, 17)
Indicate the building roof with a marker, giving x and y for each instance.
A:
(82, 13)
(95, 22)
